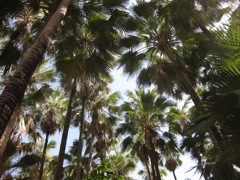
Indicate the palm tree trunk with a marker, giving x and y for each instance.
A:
(174, 175)
(8, 131)
(59, 168)
(94, 124)
(153, 168)
(89, 164)
(152, 161)
(43, 156)
(214, 133)
(155, 159)
(148, 170)
(15, 88)
(79, 158)
(157, 168)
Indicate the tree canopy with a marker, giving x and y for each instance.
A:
(56, 59)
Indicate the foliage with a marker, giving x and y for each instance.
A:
(174, 48)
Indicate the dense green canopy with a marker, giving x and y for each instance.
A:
(56, 64)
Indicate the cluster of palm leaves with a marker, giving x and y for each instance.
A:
(56, 59)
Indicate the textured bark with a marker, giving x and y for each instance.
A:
(79, 172)
(43, 156)
(17, 85)
(59, 168)
(8, 131)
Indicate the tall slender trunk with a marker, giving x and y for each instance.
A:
(213, 131)
(8, 131)
(89, 164)
(59, 168)
(174, 175)
(15, 88)
(148, 170)
(207, 33)
(214, 134)
(153, 168)
(43, 156)
(94, 130)
(80, 145)
(152, 161)
(157, 168)
(155, 159)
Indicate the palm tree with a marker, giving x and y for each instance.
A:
(95, 133)
(100, 120)
(8, 132)
(25, 15)
(32, 172)
(144, 116)
(86, 65)
(17, 84)
(171, 164)
(222, 107)
(50, 120)
(173, 67)
(49, 127)
(20, 121)
(93, 56)
(59, 167)
(11, 159)
(96, 100)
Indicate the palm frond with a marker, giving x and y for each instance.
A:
(126, 143)
(27, 160)
(131, 62)
(72, 68)
(145, 9)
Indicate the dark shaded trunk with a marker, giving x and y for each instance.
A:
(157, 168)
(207, 33)
(79, 172)
(15, 88)
(174, 175)
(153, 168)
(151, 155)
(43, 156)
(148, 170)
(59, 167)
(89, 164)
(94, 129)
(214, 133)
(8, 131)
(154, 159)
